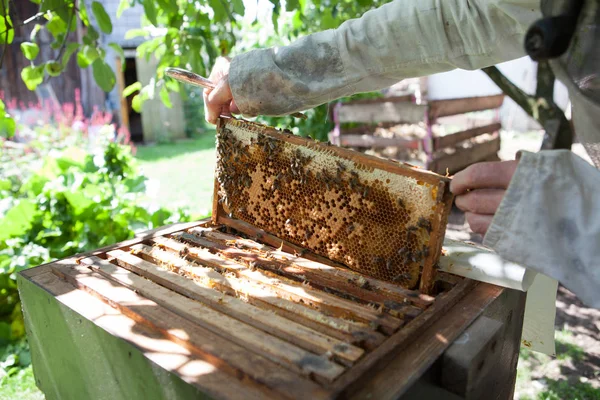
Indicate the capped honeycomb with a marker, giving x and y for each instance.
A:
(377, 217)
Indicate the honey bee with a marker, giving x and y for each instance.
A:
(350, 228)
(402, 276)
(425, 224)
(400, 202)
(184, 251)
(365, 191)
(340, 165)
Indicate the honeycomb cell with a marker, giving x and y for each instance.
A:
(377, 222)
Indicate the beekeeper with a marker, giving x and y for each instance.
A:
(542, 211)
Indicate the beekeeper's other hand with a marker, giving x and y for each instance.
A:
(479, 189)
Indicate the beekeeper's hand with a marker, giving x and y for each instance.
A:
(219, 101)
(479, 189)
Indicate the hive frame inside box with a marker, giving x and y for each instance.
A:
(411, 333)
(242, 170)
(264, 321)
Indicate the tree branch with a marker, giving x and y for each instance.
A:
(559, 134)
(64, 43)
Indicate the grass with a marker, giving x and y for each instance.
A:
(181, 174)
(20, 386)
(541, 377)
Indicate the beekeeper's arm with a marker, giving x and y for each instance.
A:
(402, 39)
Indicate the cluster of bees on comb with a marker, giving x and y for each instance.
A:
(373, 221)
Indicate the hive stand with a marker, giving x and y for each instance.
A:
(116, 324)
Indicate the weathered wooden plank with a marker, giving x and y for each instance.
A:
(263, 296)
(288, 288)
(451, 140)
(444, 108)
(163, 230)
(255, 340)
(60, 321)
(332, 278)
(376, 141)
(221, 353)
(389, 380)
(392, 99)
(462, 158)
(401, 112)
(362, 372)
(267, 321)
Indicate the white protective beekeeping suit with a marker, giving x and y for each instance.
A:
(549, 219)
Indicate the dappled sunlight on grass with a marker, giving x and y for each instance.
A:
(181, 173)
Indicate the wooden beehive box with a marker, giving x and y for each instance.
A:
(267, 313)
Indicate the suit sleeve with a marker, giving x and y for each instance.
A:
(549, 220)
(402, 39)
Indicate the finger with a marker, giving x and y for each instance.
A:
(480, 201)
(479, 223)
(218, 101)
(220, 69)
(234, 108)
(491, 175)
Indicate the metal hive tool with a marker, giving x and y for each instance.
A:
(378, 217)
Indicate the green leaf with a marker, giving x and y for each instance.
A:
(53, 68)
(7, 126)
(18, 219)
(104, 75)
(90, 53)
(168, 6)
(82, 61)
(238, 7)
(7, 32)
(56, 25)
(133, 33)
(78, 201)
(219, 10)
(30, 50)
(136, 103)
(119, 50)
(69, 50)
(33, 76)
(150, 11)
(129, 90)
(123, 5)
(164, 96)
(91, 36)
(292, 5)
(83, 14)
(102, 17)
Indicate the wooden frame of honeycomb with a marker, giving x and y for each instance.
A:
(381, 218)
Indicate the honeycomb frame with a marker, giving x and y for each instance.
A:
(379, 217)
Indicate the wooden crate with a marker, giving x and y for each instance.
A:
(265, 323)
(442, 154)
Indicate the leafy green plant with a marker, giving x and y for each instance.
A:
(71, 202)
(7, 124)
(177, 33)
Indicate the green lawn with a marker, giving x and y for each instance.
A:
(181, 173)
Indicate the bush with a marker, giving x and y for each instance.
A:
(66, 202)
